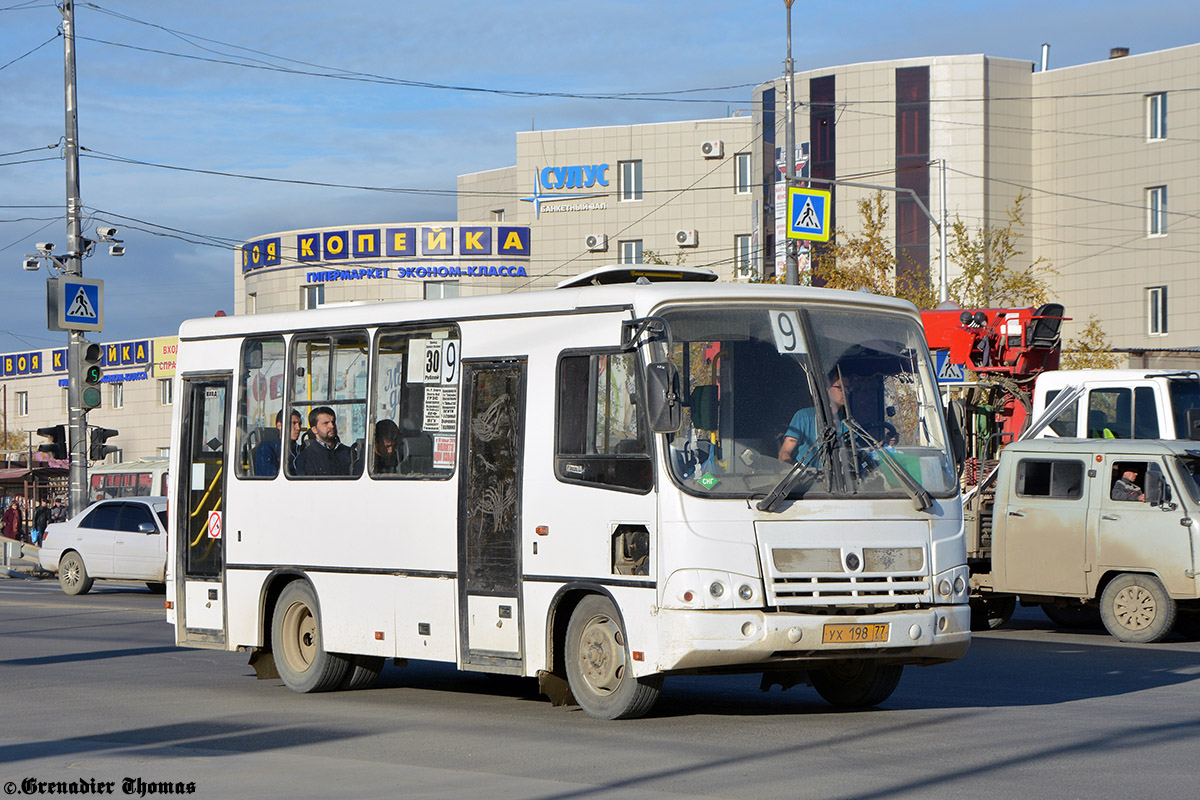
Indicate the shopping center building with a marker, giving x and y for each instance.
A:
(1105, 155)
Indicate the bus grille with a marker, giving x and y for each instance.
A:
(855, 590)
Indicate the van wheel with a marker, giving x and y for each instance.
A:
(857, 683)
(1137, 608)
(300, 655)
(72, 574)
(598, 664)
(1073, 614)
(989, 613)
(363, 672)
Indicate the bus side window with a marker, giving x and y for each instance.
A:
(415, 402)
(329, 376)
(260, 401)
(601, 436)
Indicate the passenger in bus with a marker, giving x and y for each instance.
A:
(324, 454)
(266, 455)
(387, 448)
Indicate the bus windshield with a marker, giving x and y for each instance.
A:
(847, 395)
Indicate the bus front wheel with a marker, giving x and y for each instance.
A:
(599, 671)
(857, 683)
(300, 656)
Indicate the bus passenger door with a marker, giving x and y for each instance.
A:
(489, 526)
(200, 511)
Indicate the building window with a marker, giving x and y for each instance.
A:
(438, 290)
(1156, 211)
(631, 252)
(742, 181)
(166, 391)
(1156, 116)
(1156, 310)
(118, 394)
(252, 303)
(631, 180)
(743, 254)
(22, 404)
(497, 215)
(312, 295)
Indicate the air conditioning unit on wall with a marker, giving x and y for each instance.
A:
(596, 242)
(715, 149)
(686, 238)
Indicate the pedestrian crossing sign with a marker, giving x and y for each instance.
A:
(80, 304)
(808, 214)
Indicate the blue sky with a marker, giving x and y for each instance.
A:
(155, 85)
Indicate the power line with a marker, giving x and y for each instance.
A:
(31, 52)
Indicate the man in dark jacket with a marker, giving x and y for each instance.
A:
(325, 454)
(41, 518)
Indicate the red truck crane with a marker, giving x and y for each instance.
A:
(1007, 348)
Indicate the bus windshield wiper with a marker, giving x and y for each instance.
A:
(801, 468)
(919, 494)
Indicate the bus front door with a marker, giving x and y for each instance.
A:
(489, 514)
(200, 509)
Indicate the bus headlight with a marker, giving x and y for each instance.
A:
(952, 586)
(710, 589)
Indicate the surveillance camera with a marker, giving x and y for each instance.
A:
(117, 250)
(31, 264)
(45, 247)
(106, 233)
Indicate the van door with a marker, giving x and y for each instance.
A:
(200, 511)
(1045, 527)
(489, 513)
(1134, 536)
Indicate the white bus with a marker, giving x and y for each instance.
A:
(585, 484)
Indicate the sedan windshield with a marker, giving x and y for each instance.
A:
(846, 394)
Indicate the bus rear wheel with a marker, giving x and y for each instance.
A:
(857, 683)
(300, 656)
(599, 670)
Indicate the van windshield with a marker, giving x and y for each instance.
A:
(1189, 471)
(828, 388)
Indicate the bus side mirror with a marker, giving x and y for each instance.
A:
(1193, 423)
(955, 428)
(664, 406)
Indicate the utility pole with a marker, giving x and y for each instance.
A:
(792, 276)
(943, 272)
(73, 266)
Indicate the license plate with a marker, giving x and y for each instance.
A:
(843, 633)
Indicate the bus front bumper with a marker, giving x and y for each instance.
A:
(711, 640)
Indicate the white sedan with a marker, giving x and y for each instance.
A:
(123, 539)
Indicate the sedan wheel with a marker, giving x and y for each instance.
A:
(72, 575)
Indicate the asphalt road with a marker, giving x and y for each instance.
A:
(92, 689)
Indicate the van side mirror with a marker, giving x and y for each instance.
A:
(1193, 423)
(664, 405)
(955, 427)
(1154, 486)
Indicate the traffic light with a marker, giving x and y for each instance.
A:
(57, 446)
(97, 450)
(89, 397)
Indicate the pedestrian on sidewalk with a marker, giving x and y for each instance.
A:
(41, 518)
(12, 520)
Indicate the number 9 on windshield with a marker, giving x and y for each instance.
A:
(786, 327)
